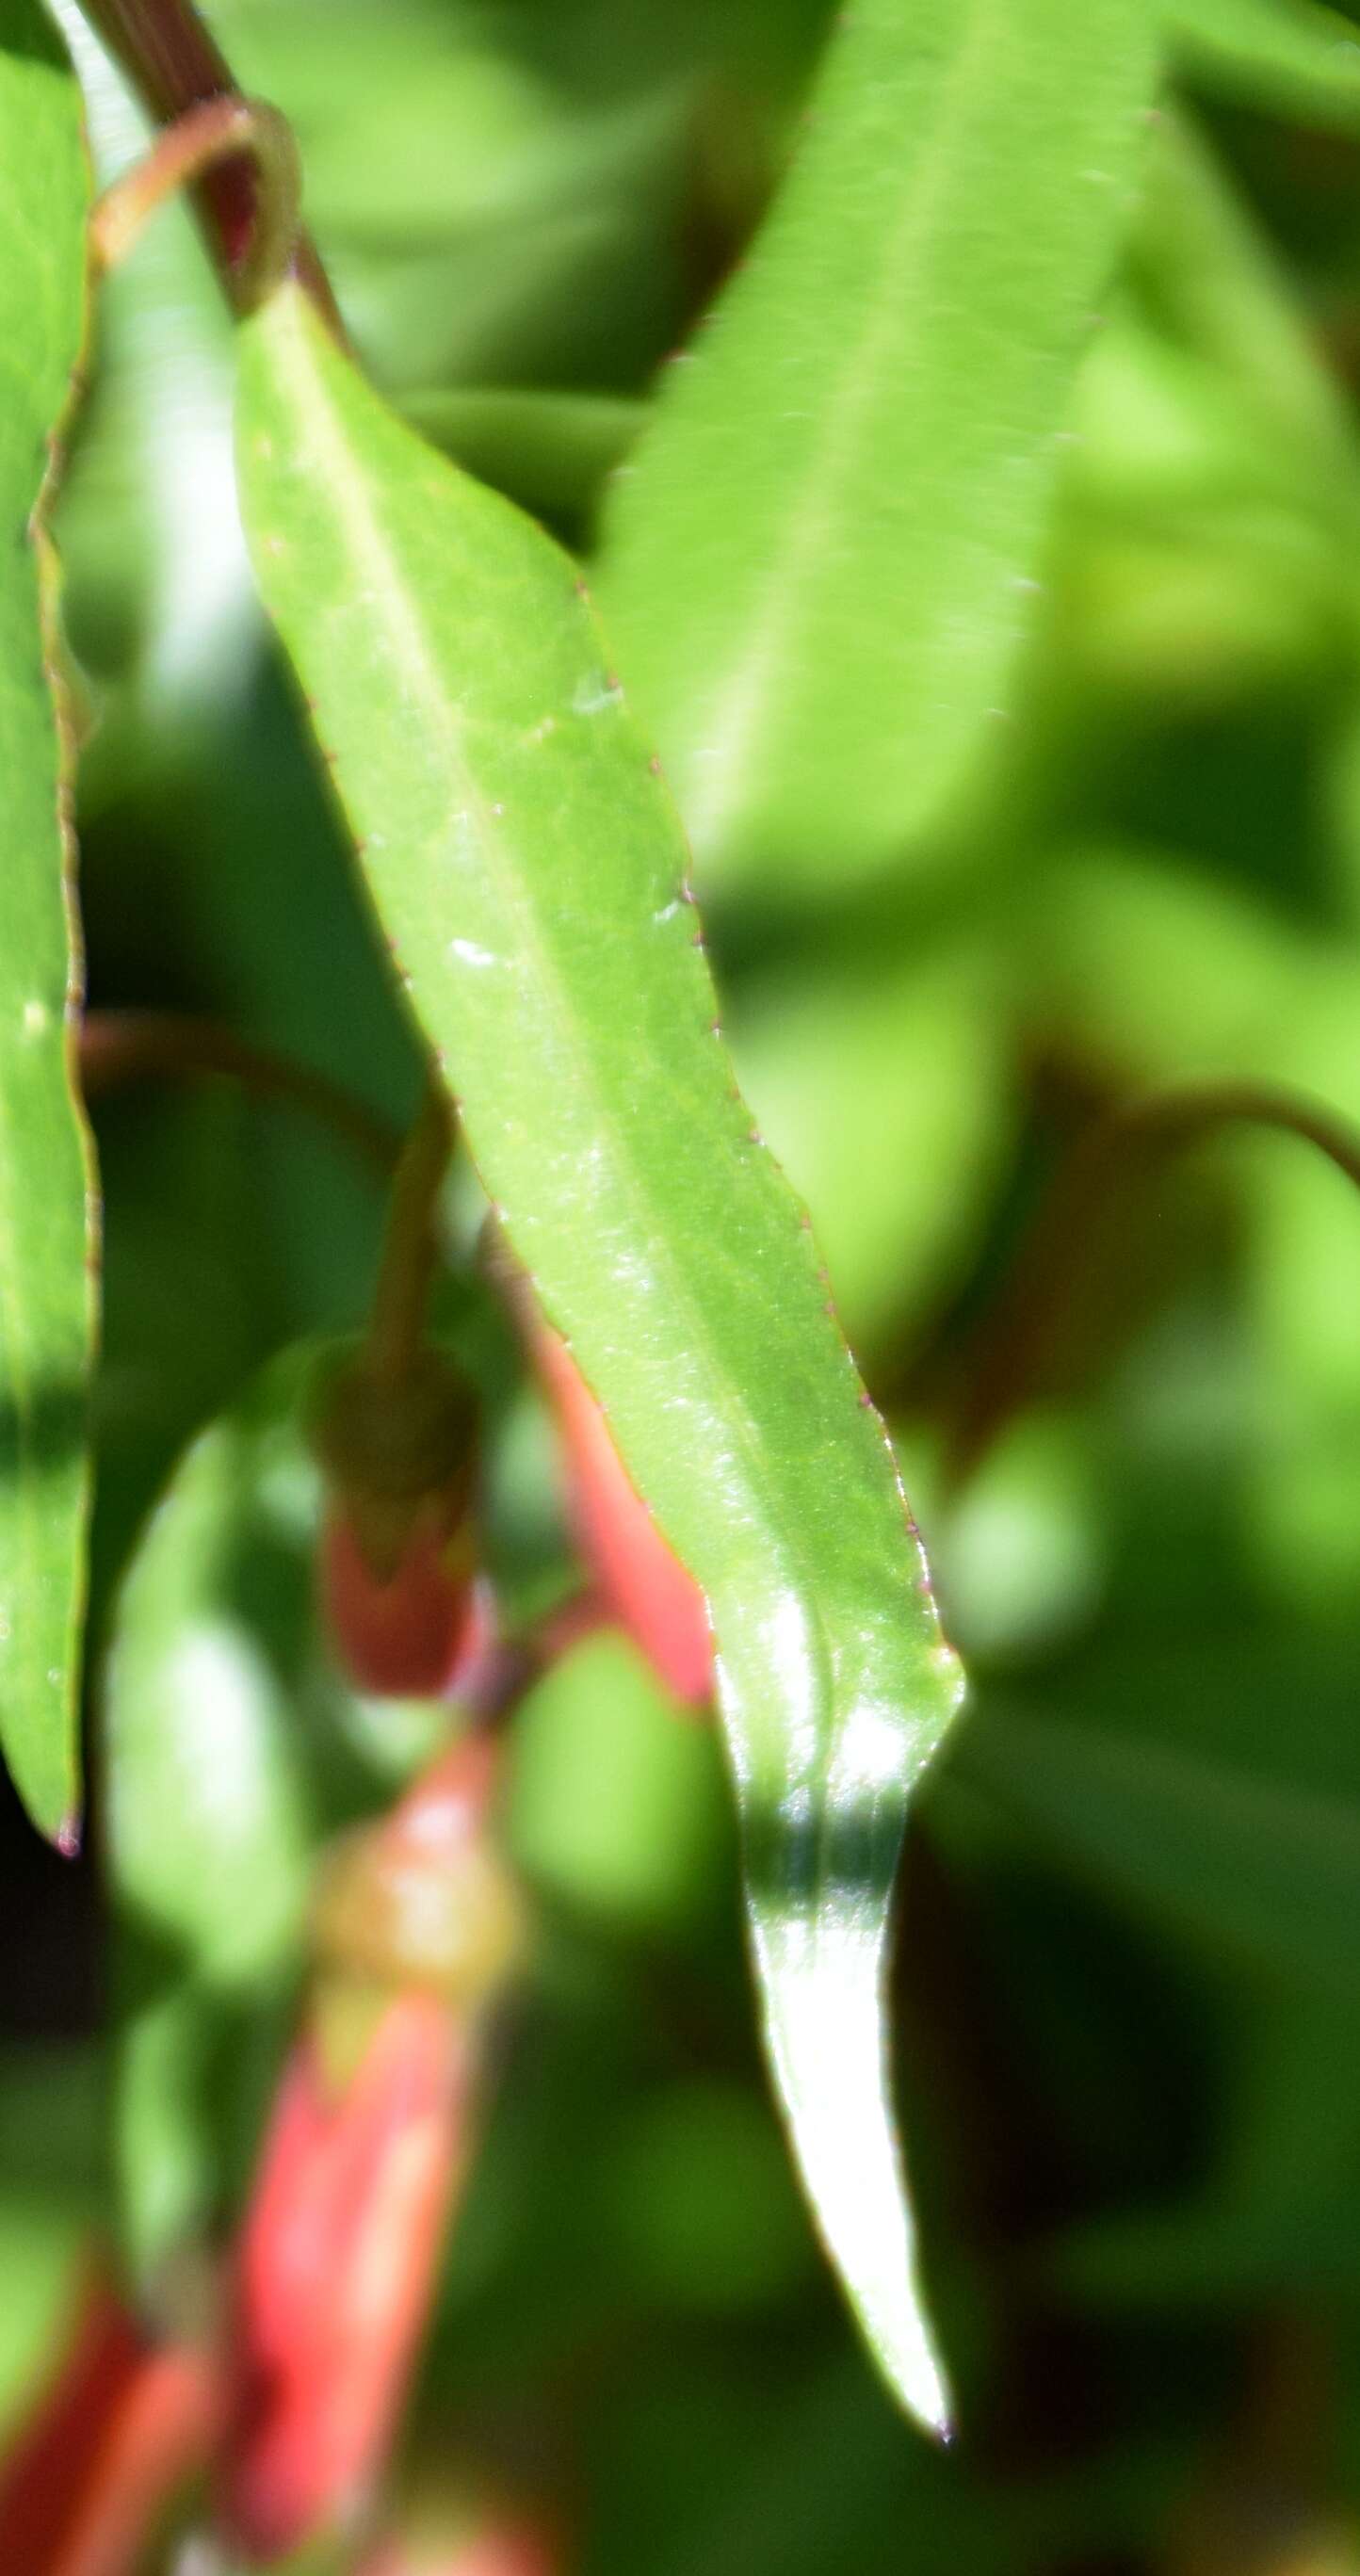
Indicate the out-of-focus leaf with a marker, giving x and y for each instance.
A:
(1205, 2255)
(44, 2248)
(881, 1091)
(1248, 1864)
(697, 2195)
(1019, 1552)
(189, 1302)
(530, 872)
(1160, 972)
(46, 1311)
(779, 2512)
(230, 1749)
(410, 127)
(1218, 287)
(1292, 57)
(206, 1784)
(816, 568)
(1209, 532)
(484, 219)
(1270, 2223)
(211, 1810)
(550, 451)
(581, 284)
(51, 2189)
(615, 1797)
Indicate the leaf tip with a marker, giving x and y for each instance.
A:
(922, 2387)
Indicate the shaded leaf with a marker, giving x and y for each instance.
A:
(1292, 57)
(817, 564)
(550, 451)
(530, 872)
(46, 1304)
(1249, 1865)
(50, 2199)
(232, 1746)
(1201, 2254)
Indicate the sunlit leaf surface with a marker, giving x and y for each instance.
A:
(820, 563)
(530, 872)
(45, 1295)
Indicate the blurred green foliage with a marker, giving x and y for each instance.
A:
(1126, 1981)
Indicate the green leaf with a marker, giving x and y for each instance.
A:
(1290, 57)
(206, 1782)
(550, 451)
(211, 1814)
(529, 870)
(1216, 287)
(652, 1854)
(819, 562)
(50, 2205)
(879, 1087)
(46, 1298)
(232, 1746)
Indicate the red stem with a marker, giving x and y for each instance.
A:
(118, 1047)
(176, 65)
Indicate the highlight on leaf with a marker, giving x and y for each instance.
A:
(48, 1206)
(529, 869)
(421, 2104)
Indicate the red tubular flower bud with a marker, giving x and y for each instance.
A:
(334, 2273)
(415, 1928)
(647, 1588)
(415, 1633)
(398, 1554)
(122, 2427)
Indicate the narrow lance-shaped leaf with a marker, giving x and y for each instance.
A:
(817, 568)
(529, 869)
(45, 1294)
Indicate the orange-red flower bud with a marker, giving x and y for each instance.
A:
(414, 1633)
(398, 1550)
(334, 2273)
(422, 1898)
(646, 1586)
(121, 2428)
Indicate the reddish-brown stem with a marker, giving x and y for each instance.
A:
(493, 1687)
(118, 1047)
(411, 1246)
(207, 138)
(1048, 1275)
(177, 66)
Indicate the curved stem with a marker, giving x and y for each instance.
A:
(1048, 1272)
(411, 1245)
(203, 139)
(177, 67)
(118, 1047)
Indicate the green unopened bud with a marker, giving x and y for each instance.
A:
(423, 1898)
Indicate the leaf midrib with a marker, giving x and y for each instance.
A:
(419, 658)
(842, 409)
